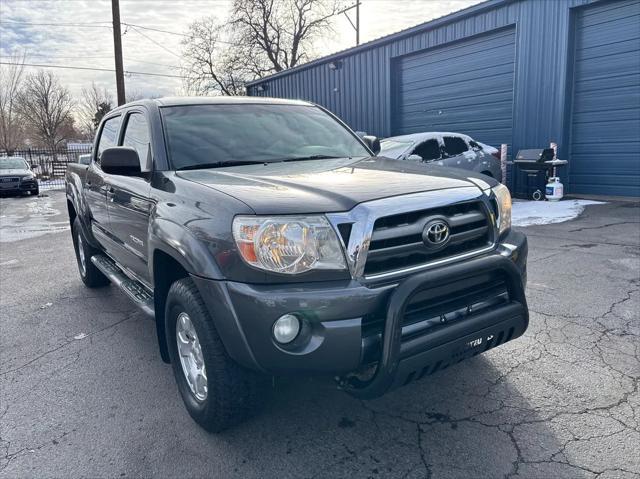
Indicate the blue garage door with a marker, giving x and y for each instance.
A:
(605, 140)
(465, 87)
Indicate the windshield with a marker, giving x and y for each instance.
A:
(394, 145)
(226, 134)
(15, 163)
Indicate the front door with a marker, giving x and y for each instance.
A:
(96, 186)
(129, 205)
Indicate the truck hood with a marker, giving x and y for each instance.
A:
(323, 186)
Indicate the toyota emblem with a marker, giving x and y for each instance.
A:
(435, 234)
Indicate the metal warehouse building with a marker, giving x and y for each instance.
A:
(521, 72)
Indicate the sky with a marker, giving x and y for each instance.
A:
(41, 29)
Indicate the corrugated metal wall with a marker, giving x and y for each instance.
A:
(360, 92)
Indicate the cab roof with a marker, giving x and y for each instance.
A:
(214, 100)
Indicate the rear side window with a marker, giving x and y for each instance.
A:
(108, 135)
(454, 145)
(136, 136)
(428, 150)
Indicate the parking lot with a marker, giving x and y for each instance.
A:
(83, 392)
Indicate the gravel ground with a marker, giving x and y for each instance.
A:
(83, 392)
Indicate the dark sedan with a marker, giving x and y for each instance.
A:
(16, 176)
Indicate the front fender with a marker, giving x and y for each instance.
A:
(179, 243)
(75, 196)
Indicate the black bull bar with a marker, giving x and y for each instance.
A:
(400, 362)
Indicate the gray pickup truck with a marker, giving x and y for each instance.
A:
(266, 238)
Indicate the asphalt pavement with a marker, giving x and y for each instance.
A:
(83, 392)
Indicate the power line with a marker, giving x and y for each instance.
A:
(59, 23)
(127, 72)
(153, 41)
(80, 56)
(44, 55)
(156, 30)
(81, 25)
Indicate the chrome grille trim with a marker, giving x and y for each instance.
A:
(363, 218)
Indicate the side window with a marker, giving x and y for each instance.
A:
(454, 145)
(108, 135)
(428, 150)
(136, 136)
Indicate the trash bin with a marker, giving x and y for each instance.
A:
(531, 173)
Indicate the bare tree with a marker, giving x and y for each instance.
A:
(281, 31)
(94, 103)
(135, 94)
(46, 107)
(210, 64)
(261, 37)
(11, 80)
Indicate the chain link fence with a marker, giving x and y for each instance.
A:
(49, 165)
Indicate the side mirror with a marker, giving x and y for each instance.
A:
(373, 143)
(120, 160)
(414, 158)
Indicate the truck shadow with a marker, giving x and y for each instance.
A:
(466, 421)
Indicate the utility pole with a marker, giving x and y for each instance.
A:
(358, 22)
(117, 50)
(356, 26)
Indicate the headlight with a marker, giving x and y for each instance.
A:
(503, 198)
(28, 177)
(288, 244)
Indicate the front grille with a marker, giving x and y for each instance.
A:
(443, 305)
(439, 308)
(397, 244)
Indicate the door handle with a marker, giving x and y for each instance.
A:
(110, 193)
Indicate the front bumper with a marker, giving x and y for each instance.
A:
(349, 326)
(21, 186)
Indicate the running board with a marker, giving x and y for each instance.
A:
(138, 293)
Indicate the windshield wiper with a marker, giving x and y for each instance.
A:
(218, 164)
(312, 157)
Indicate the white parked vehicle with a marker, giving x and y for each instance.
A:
(446, 149)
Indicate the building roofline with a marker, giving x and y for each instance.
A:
(436, 22)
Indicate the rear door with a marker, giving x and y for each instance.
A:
(95, 187)
(458, 154)
(128, 201)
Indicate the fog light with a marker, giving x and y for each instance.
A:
(286, 328)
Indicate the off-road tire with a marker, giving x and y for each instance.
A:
(91, 276)
(234, 392)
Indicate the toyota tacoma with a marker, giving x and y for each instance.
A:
(266, 238)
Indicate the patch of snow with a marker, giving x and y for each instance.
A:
(29, 220)
(10, 262)
(42, 207)
(46, 305)
(80, 336)
(527, 213)
(51, 184)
